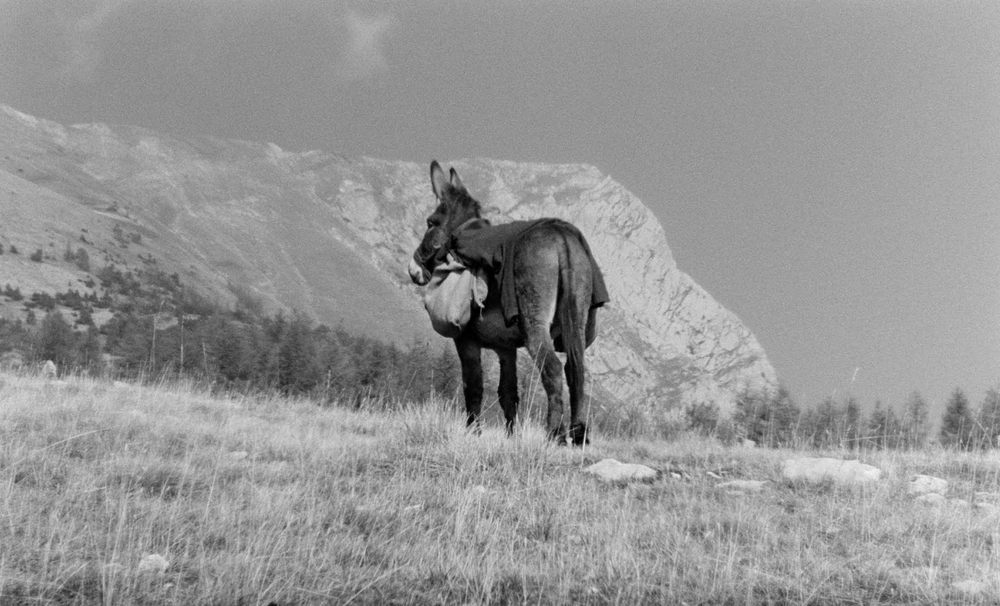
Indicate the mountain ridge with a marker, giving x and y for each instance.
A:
(330, 235)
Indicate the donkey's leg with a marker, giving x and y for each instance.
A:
(575, 380)
(469, 354)
(575, 369)
(507, 390)
(536, 273)
(543, 352)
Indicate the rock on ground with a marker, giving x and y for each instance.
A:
(932, 498)
(743, 485)
(49, 370)
(612, 471)
(822, 469)
(922, 484)
(970, 587)
(153, 563)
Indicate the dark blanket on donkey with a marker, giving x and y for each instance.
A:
(479, 244)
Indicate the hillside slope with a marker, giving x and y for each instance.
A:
(330, 236)
(257, 500)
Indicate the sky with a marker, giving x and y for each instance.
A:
(829, 171)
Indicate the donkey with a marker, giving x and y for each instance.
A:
(544, 288)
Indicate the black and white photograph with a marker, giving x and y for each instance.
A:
(587, 302)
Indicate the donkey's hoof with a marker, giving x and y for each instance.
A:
(578, 434)
(558, 435)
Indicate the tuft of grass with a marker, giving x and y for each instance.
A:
(260, 499)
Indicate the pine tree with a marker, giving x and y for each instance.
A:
(767, 418)
(915, 421)
(826, 424)
(989, 418)
(297, 369)
(893, 429)
(957, 424)
(55, 339)
(88, 354)
(232, 348)
(82, 260)
(877, 426)
(852, 423)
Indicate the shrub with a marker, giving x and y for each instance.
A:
(702, 418)
(82, 259)
(14, 294)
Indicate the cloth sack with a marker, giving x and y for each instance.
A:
(450, 295)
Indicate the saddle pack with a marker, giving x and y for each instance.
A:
(451, 294)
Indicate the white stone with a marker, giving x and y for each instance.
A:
(744, 485)
(932, 498)
(921, 484)
(49, 369)
(153, 563)
(823, 469)
(970, 587)
(610, 470)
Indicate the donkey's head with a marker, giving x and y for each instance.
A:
(455, 207)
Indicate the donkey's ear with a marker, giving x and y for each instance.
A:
(456, 181)
(438, 180)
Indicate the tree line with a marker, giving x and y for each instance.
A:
(158, 329)
(774, 419)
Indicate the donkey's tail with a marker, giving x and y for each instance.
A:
(573, 338)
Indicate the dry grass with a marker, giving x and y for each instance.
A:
(259, 500)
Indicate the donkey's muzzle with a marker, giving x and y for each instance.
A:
(417, 273)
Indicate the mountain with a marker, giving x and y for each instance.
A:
(330, 236)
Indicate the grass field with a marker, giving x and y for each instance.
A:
(259, 500)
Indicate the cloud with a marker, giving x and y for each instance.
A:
(363, 54)
(45, 43)
(82, 40)
(48, 45)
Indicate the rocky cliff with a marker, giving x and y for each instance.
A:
(331, 235)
